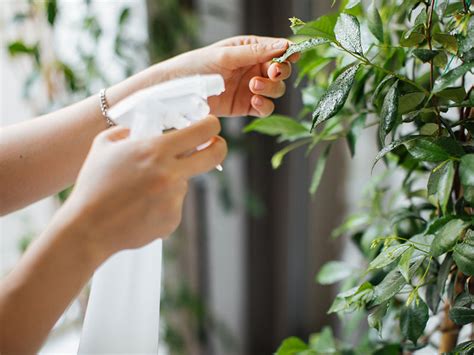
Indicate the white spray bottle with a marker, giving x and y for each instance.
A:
(123, 312)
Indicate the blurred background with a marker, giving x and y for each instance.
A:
(239, 272)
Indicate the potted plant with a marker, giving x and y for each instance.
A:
(404, 67)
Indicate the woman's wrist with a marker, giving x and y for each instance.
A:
(73, 233)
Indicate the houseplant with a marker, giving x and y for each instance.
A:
(405, 67)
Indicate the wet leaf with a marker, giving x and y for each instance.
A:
(463, 254)
(376, 316)
(440, 183)
(425, 55)
(335, 97)
(451, 77)
(301, 47)
(389, 113)
(447, 236)
(388, 255)
(323, 27)
(413, 319)
(462, 315)
(347, 33)
(393, 283)
(426, 149)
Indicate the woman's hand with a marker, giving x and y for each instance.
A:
(132, 192)
(251, 79)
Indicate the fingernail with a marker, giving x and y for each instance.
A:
(278, 72)
(258, 84)
(257, 101)
(279, 44)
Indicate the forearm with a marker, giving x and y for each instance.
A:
(42, 156)
(38, 290)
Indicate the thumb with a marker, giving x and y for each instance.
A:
(113, 134)
(254, 53)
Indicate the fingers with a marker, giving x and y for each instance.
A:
(205, 160)
(187, 139)
(261, 106)
(113, 134)
(267, 87)
(276, 71)
(253, 53)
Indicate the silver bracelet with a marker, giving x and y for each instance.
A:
(104, 107)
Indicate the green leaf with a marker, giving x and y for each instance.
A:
(412, 37)
(353, 298)
(392, 283)
(389, 113)
(453, 94)
(278, 125)
(426, 149)
(347, 33)
(388, 255)
(466, 347)
(376, 316)
(405, 262)
(374, 22)
(393, 145)
(335, 97)
(301, 47)
(449, 79)
(319, 170)
(332, 272)
(441, 60)
(323, 27)
(440, 183)
(19, 47)
(291, 346)
(413, 319)
(447, 41)
(410, 101)
(447, 236)
(463, 254)
(462, 315)
(323, 342)
(51, 11)
(433, 298)
(352, 3)
(443, 273)
(124, 16)
(380, 86)
(425, 55)
(466, 170)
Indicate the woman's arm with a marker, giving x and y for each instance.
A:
(127, 194)
(43, 156)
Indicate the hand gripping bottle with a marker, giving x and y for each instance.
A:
(123, 313)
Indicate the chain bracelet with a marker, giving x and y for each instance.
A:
(104, 107)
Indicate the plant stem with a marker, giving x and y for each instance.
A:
(365, 61)
(449, 329)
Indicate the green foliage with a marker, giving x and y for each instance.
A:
(410, 74)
